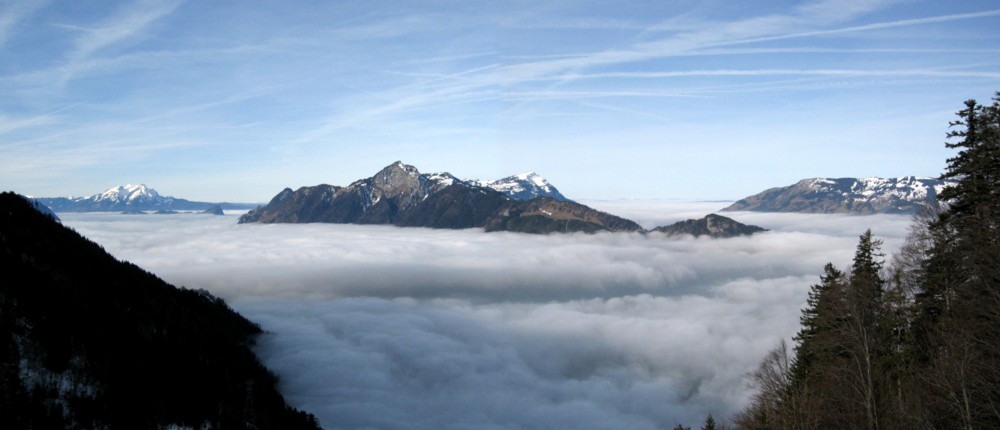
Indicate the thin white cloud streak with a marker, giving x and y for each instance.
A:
(382, 327)
(718, 34)
(875, 26)
(13, 13)
(735, 33)
(905, 73)
(503, 83)
(127, 23)
(8, 125)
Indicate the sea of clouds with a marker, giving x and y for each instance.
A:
(378, 327)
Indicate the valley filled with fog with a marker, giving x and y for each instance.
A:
(405, 328)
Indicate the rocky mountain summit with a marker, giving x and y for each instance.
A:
(905, 195)
(712, 225)
(400, 195)
(130, 198)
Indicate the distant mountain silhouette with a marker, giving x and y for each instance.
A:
(131, 198)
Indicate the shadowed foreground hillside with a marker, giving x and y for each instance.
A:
(87, 341)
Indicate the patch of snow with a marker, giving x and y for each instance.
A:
(445, 179)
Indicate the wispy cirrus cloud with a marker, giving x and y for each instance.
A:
(125, 24)
(13, 12)
(516, 79)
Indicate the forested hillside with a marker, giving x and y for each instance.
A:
(913, 343)
(87, 341)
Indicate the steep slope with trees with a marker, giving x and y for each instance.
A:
(914, 345)
(87, 341)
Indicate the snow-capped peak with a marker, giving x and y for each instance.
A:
(127, 193)
(532, 177)
(522, 186)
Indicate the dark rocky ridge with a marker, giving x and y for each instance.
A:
(711, 225)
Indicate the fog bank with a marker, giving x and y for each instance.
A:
(391, 328)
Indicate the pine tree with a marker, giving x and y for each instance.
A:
(862, 340)
(957, 329)
(975, 168)
(919, 350)
(815, 321)
(709, 423)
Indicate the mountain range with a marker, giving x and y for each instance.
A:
(402, 196)
(131, 198)
(905, 195)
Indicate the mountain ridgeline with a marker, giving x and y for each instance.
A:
(402, 196)
(132, 199)
(87, 341)
(906, 195)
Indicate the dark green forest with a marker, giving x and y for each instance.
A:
(87, 341)
(911, 343)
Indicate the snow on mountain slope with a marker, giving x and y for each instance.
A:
(908, 194)
(128, 193)
(130, 197)
(524, 186)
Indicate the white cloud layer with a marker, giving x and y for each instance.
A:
(388, 328)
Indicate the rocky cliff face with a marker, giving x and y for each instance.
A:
(906, 195)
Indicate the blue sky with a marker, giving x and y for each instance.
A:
(235, 100)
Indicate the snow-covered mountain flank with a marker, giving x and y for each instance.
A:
(905, 195)
(132, 198)
(524, 186)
